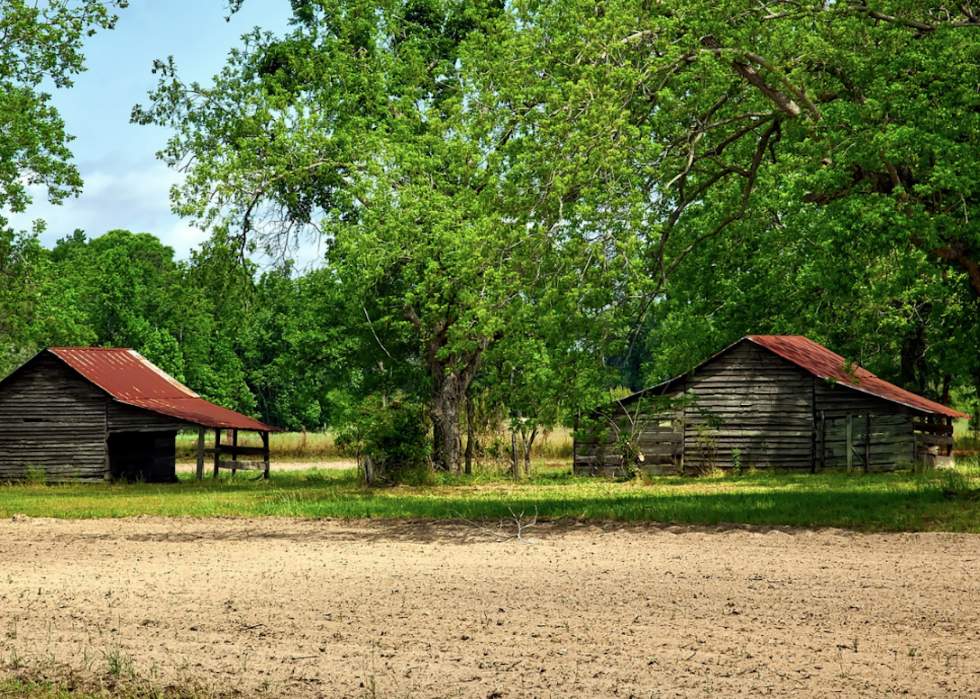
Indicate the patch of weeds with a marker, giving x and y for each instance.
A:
(418, 477)
(736, 462)
(118, 664)
(65, 684)
(35, 475)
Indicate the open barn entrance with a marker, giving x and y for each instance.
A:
(143, 456)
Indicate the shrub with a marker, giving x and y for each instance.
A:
(390, 441)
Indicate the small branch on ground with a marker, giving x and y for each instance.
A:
(518, 519)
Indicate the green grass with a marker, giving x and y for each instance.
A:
(941, 501)
(70, 686)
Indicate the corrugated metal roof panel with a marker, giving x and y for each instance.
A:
(132, 379)
(201, 412)
(821, 362)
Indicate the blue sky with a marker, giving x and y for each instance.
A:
(125, 185)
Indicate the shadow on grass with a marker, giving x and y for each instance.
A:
(882, 502)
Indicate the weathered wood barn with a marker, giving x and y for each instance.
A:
(95, 414)
(767, 401)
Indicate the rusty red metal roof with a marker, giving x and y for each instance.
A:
(824, 364)
(130, 378)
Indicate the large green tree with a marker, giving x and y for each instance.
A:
(753, 139)
(40, 46)
(367, 125)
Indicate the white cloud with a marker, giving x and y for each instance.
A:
(136, 199)
(130, 198)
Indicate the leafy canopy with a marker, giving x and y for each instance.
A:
(40, 45)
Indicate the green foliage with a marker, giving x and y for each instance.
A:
(37, 306)
(303, 358)
(41, 45)
(360, 125)
(394, 436)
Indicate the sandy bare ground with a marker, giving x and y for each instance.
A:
(301, 608)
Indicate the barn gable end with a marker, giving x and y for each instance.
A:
(52, 422)
(753, 403)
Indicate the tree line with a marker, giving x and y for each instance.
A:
(535, 202)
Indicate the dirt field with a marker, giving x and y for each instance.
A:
(420, 609)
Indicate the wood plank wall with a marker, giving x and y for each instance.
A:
(892, 442)
(127, 418)
(752, 401)
(660, 438)
(54, 421)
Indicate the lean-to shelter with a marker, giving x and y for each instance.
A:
(96, 414)
(766, 401)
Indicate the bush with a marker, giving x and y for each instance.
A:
(391, 442)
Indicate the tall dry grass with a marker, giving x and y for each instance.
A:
(293, 446)
(553, 445)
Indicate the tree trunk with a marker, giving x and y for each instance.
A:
(452, 375)
(515, 469)
(528, 443)
(470, 434)
(446, 403)
(368, 470)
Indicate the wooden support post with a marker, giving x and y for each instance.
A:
(265, 454)
(949, 447)
(850, 442)
(200, 453)
(234, 453)
(217, 450)
(867, 445)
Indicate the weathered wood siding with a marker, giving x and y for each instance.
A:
(127, 418)
(892, 439)
(659, 438)
(771, 413)
(752, 401)
(52, 421)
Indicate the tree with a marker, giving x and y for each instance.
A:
(186, 317)
(299, 351)
(37, 307)
(780, 130)
(364, 125)
(39, 42)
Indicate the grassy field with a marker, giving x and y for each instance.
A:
(944, 501)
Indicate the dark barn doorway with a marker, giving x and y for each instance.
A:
(143, 456)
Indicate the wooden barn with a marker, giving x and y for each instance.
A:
(766, 401)
(95, 414)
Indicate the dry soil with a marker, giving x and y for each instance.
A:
(298, 608)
